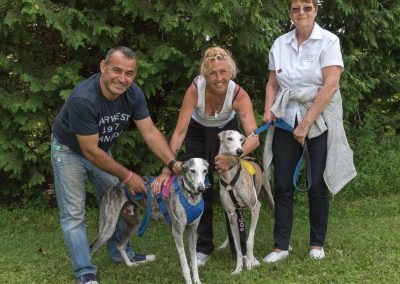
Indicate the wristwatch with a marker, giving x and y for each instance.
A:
(171, 164)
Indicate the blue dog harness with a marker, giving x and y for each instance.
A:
(192, 211)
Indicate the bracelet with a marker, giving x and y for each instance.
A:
(128, 178)
(171, 165)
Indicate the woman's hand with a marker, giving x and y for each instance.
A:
(160, 181)
(223, 162)
(301, 131)
(268, 116)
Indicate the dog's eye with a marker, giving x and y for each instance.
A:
(229, 138)
(193, 171)
(241, 139)
(205, 171)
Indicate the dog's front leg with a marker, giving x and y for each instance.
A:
(177, 231)
(192, 236)
(255, 212)
(233, 221)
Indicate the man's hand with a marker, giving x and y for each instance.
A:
(136, 184)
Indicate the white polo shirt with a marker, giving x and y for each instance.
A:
(300, 67)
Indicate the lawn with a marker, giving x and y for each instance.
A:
(362, 247)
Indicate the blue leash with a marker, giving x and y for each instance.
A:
(140, 196)
(280, 123)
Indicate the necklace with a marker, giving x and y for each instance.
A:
(219, 103)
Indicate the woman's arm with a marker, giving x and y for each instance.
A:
(331, 77)
(244, 107)
(271, 90)
(185, 114)
(188, 105)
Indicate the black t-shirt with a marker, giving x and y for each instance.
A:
(87, 112)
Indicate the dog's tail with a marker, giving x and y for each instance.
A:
(224, 244)
(266, 194)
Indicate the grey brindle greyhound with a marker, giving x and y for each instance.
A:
(115, 203)
(238, 190)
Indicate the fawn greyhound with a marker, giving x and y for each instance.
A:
(239, 189)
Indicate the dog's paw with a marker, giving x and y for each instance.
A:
(250, 263)
(132, 264)
(237, 270)
(224, 244)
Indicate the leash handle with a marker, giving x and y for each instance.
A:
(304, 156)
(280, 123)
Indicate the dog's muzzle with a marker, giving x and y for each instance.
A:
(201, 188)
(239, 152)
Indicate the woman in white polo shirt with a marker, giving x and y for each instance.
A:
(308, 62)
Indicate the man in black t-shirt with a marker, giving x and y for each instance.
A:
(92, 118)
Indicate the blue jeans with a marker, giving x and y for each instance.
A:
(71, 171)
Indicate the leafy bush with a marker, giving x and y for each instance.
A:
(49, 46)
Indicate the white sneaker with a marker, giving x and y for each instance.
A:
(276, 256)
(255, 261)
(202, 258)
(317, 253)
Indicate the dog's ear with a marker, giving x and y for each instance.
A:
(185, 167)
(206, 164)
(221, 135)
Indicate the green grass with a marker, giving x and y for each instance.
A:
(362, 247)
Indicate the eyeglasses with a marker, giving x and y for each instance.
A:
(297, 10)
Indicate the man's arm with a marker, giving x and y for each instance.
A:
(157, 142)
(92, 152)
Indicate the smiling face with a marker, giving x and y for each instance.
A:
(117, 75)
(303, 13)
(218, 76)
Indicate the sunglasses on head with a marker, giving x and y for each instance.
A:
(296, 10)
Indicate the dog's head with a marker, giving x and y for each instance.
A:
(195, 171)
(231, 142)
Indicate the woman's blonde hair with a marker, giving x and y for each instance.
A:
(213, 54)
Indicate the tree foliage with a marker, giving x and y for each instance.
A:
(49, 46)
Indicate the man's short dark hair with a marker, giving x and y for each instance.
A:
(126, 51)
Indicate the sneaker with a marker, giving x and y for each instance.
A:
(317, 253)
(89, 278)
(202, 258)
(255, 261)
(142, 258)
(276, 256)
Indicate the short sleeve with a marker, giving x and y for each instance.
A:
(271, 60)
(140, 110)
(331, 54)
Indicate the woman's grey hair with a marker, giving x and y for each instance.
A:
(127, 52)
